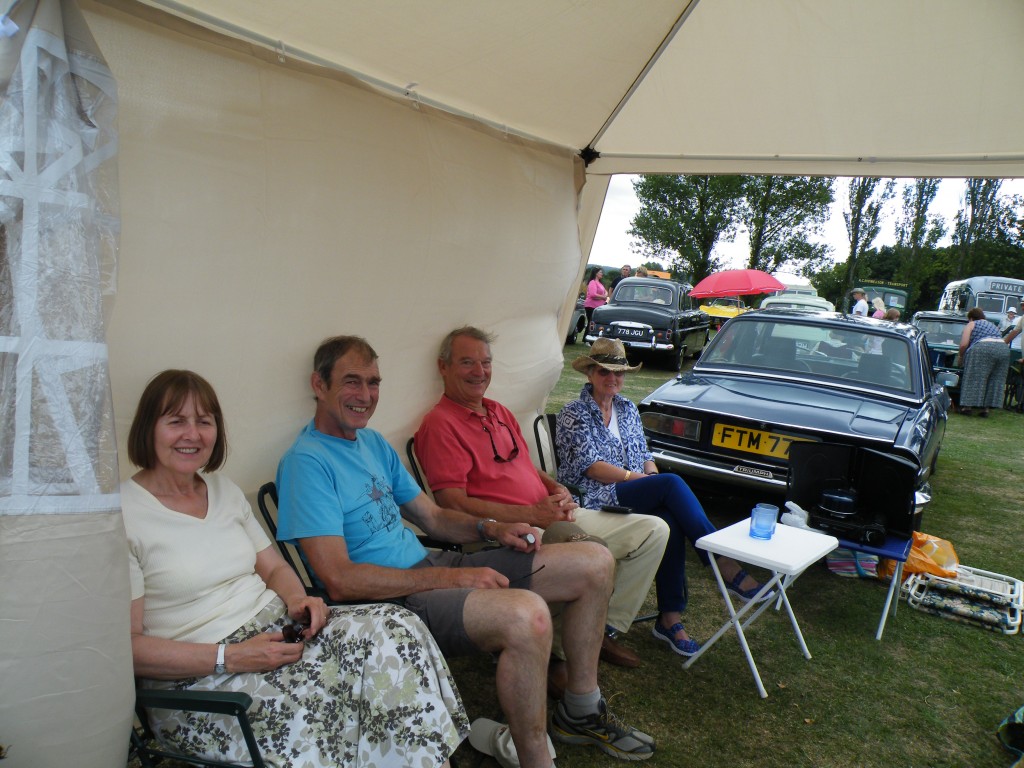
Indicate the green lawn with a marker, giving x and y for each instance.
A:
(931, 693)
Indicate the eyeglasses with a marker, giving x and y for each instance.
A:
(605, 372)
(525, 576)
(515, 446)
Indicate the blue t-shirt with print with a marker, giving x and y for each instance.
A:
(329, 486)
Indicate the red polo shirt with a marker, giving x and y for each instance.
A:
(455, 451)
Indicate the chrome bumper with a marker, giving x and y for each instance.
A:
(736, 474)
(590, 339)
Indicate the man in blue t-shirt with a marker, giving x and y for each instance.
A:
(343, 492)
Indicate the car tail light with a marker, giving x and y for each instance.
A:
(686, 429)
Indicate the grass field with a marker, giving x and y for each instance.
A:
(931, 693)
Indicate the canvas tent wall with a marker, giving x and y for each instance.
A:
(293, 170)
(265, 207)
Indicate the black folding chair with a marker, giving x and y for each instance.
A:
(417, 472)
(288, 552)
(150, 752)
(546, 447)
(1013, 395)
(414, 464)
(546, 444)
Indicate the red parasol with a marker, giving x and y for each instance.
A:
(736, 282)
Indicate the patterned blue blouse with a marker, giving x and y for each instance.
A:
(983, 329)
(582, 439)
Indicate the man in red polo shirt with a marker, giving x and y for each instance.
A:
(476, 460)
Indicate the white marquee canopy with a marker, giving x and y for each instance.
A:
(879, 87)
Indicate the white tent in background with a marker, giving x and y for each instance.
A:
(289, 171)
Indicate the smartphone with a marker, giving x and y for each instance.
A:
(617, 509)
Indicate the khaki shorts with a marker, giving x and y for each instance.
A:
(441, 609)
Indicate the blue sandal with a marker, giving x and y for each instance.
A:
(746, 595)
(687, 647)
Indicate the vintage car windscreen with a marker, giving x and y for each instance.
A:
(725, 302)
(648, 294)
(855, 355)
(942, 331)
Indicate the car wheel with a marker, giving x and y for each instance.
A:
(571, 338)
(675, 358)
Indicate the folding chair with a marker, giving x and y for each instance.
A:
(417, 472)
(150, 752)
(288, 552)
(1013, 395)
(414, 465)
(546, 444)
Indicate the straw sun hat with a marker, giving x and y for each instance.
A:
(609, 354)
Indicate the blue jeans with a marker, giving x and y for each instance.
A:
(670, 498)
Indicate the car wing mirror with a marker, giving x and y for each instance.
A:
(947, 379)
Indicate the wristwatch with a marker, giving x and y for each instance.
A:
(480, 529)
(220, 667)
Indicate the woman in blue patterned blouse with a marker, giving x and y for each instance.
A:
(601, 449)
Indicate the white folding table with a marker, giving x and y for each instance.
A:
(787, 554)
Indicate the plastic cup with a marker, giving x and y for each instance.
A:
(762, 521)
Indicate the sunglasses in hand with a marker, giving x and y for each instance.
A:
(292, 633)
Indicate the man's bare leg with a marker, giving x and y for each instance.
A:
(581, 575)
(517, 624)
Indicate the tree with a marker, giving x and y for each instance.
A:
(863, 221)
(881, 264)
(985, 216)
(916, 229)
(828, 281)
(781, 213)
(682, 218)
(918, 232)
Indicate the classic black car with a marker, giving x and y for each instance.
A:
(775, 377)
(942, 331)
(652, 315)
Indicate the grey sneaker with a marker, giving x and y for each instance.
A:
(603, 730)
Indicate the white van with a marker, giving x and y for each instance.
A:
(800, 290)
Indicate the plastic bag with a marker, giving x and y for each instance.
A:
(928, 554)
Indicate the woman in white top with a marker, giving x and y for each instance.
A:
(216, 607)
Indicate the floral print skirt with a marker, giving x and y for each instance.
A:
(372, 689)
